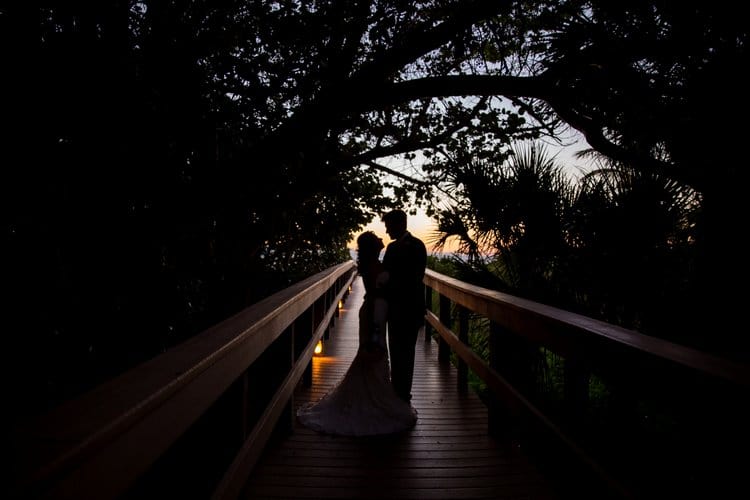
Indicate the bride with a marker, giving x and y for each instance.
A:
(363, 402)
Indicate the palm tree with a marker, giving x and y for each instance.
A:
(618, 245)
(514, 212)
(631, 241)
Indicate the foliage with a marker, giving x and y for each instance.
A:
(633, 238)
(170, 162)
(619, 245)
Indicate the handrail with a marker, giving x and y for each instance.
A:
(584, 341)
(84, 448)
(98, 445)
(567, 333)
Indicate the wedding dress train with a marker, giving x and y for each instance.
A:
(363, 402)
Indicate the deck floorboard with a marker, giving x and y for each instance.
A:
(447, 455)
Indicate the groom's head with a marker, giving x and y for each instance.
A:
(395, 223)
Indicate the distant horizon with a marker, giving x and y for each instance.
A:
(420, 225)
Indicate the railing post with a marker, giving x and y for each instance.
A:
(318, 311)
(348, 288)
(286, 345)
(303, 331)
(444, 352)
(575, 390)
(516, 359)
(463, 336)
(498, 421)
(428, 307)
(245, 413)
(330, 297)
(509, 357)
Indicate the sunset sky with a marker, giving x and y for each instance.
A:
(422, 226)
(419, 225)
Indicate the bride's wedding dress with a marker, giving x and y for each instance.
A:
(363, 402)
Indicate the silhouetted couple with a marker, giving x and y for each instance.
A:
(374, 396)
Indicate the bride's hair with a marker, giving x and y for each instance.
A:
(368, 247)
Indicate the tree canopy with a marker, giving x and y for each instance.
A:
(169, 162)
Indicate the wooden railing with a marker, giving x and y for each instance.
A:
(213, 400)
(193, 421)
(712, 391)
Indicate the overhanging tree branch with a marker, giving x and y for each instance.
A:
(540, 87)
(349, 96)
(395, 173)
(412, 143)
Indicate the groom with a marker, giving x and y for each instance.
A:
(405, 260)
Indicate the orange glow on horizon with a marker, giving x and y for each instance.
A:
(419, 225)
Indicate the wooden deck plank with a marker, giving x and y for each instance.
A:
(448, 454)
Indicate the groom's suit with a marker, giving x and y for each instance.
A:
(405, 260)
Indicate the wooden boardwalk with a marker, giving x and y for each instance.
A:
(447, 455)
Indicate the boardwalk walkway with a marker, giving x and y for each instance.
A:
(447, 455)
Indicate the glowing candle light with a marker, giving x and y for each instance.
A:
(319, 347)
